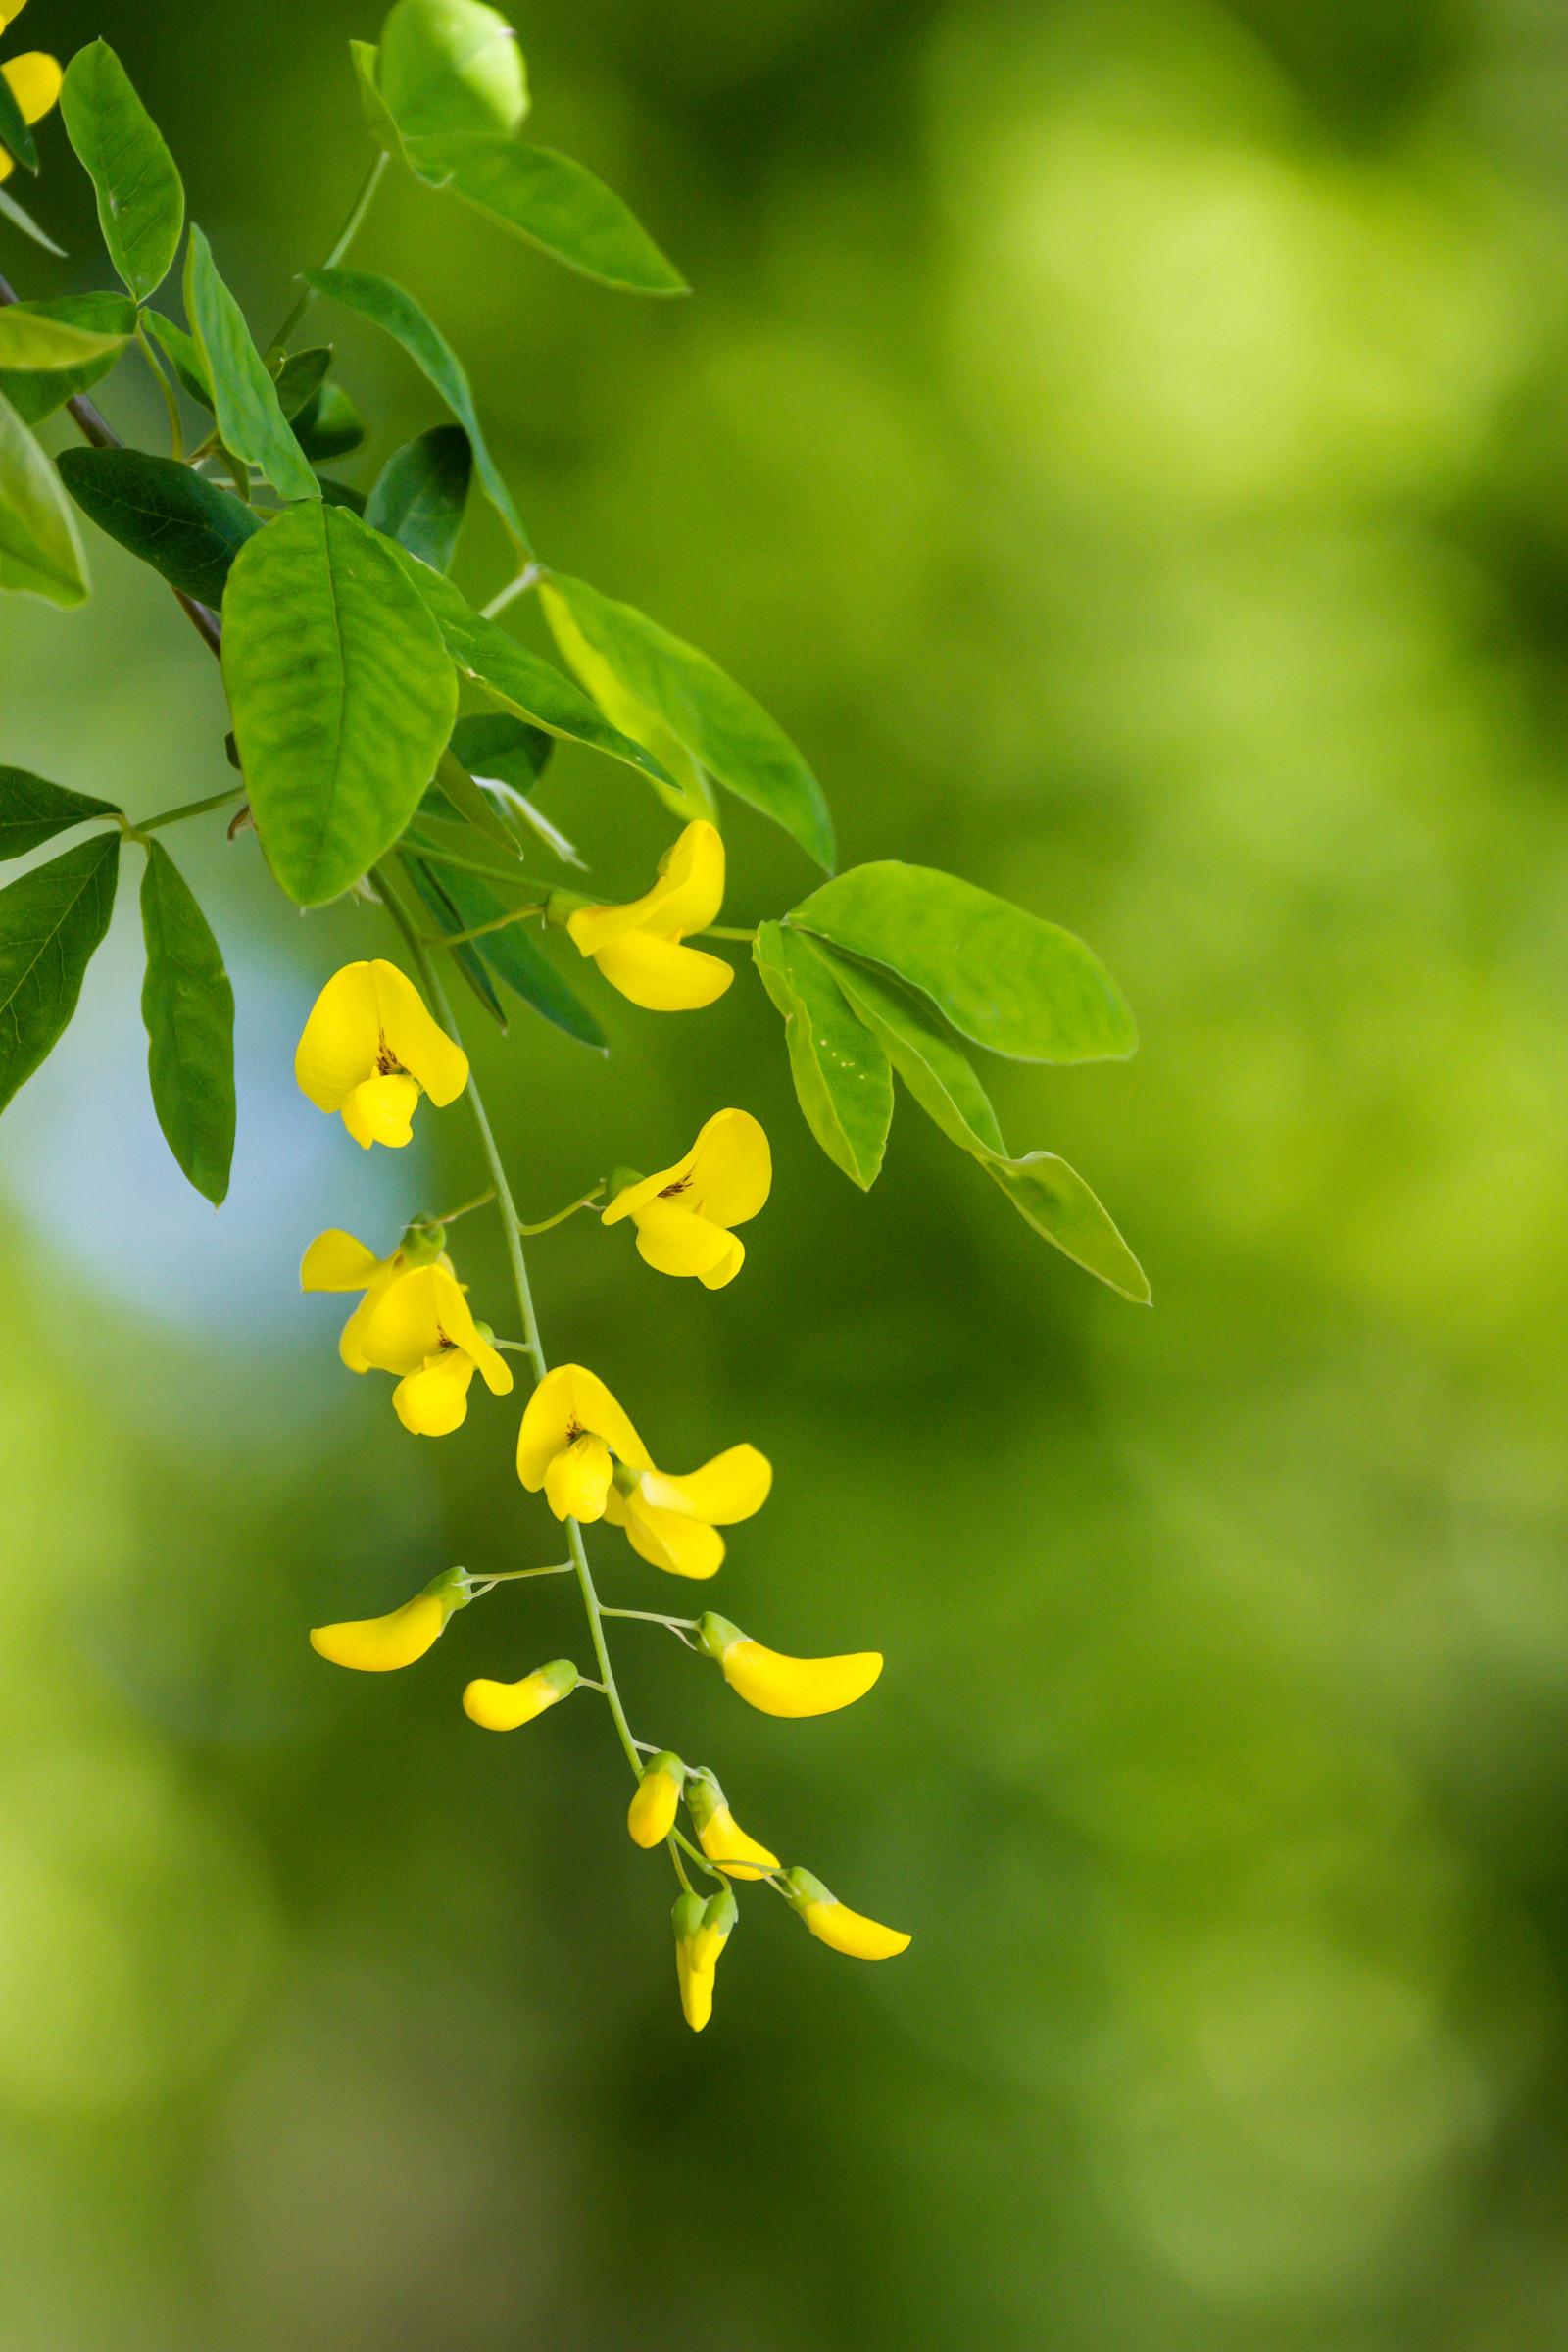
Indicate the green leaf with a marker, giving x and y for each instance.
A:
(186, 360)
(32, 811)
(1003, 978)
(188, 1008)
(691, 795)
(300, 377)
(514, 955)
(24, 220)
(14, 129)
(36, 392)
(494, 744)
(244, 395)
(377, 114)
(471, 804)
(398, 315)
(328, 424)
(451, 66)
(470, 962)
(555, 204)
(342, 494)
(421, 493)
(30, 339)
(141, 204)
(514, 677)
(49, 922)
(724, 730)
(926, 1058)
(40, 547)
(1054, 1200)
(841, 1077)
(342, 694)
(187, 529)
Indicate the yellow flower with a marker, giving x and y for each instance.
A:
(780, 1686)
(577, 1444)
(637, 947)
(503, 1706)
(719, 1835)
(35, 81)
(650, 1815)
(336, 1261)
(702, 1930)
(380, 1644)
(832, 1922)
(420, 1327)
(369, 1048)
(684, 1213)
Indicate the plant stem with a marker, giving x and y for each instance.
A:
(171, 816)
(460, 939)
(527, 578)
(350, 230)
(725, 931)
(177, 431)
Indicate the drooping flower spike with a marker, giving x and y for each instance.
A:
(369, 1050)
(637, 947)
(422, 1329)
(719, 1835)
(702, 1930)
(683, 1215)
(779, 1686)
(503, 1706)
(336, 1261)
(381, 1645)
(577, 1444)
(834, 1924)
(35, 81)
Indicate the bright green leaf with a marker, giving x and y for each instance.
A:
(377, 114)
(49, 922)
(1003, 978)
(398, 315)
(515, 956)
(556, 204)
(40, 547)
(30, 338)
(32, 811)
(841, 1077)
(1054, 1200)
(724, 730)
(926, 1058)
(187, 529)
(36, 392)
(328, 424)
(28, 226)
(188, 1008)
(141, 204)
(450, 65)
(14, 131)
(421, 493)
(691, 795)
(249, 419)
(186, 360)
(342, 693)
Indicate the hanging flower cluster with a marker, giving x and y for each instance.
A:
(370, 1051)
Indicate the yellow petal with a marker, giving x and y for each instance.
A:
(377, 1645)
(341, 1040)
(650, 1815)
(780, 1686)
(35, 81)
(351, 1339)
(633, 1196)
(406, 1326)
(731, 1487)
(672, 1239)
(576, 1479)
(503, 1706)
(732, 1167)
(727, 1267)
(689, 890)
(10, 13)
(661, 976)
(435, 1401)
(696, 1990)
(834, 1924)
(418, 1042)
(380, 1110)
(336, 1261)
(722, 1840)
(568, 1400)
(667, 1540)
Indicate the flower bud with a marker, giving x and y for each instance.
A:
(378, 1645)
(779, 1686)
(422, 1243)
(503, 1706)
(720, 1914)
(686, 1919)
(650, 1815)
(720, 1836)
(832, 1922)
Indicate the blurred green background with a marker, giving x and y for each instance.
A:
(1128, 448)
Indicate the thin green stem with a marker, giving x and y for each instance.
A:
(423, 848)
(177, 430)
(173, 817)
(351, 229)
(511, 1576)
(459, 938)
(652, 1617)
(479, 1201)
(725, 931)
(528, 577)
(561, 1217)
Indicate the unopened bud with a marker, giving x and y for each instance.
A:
(834, 1924)
(650, 1815)
(503, 1706)
(776, 1684)
(381, 1645)
(721, 1835)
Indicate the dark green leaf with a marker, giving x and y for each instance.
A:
(341, 494)
(328, 424)
(514, 955)
(188, 1008)
(32, 811)
(841, 1073)
(185, 527)
(468, 958)
(244, 395)
(718, 723)
(926, 1058)
(342, 694)
(141, 204)
(398, 315)
(14, 129)
(421, 493)
(41, 548)
(186, 360)
(301, 374)
(49, 922)
(472, 805)
(451, 66)
(1056, 1201)
(556, 204)
(35, 339)
(27, 224)
(495, 745)
(36, 392)
(1003, 978)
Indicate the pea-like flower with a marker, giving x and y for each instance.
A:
(503, 1706)
(683, 1215)
(780, 1686)
(650, 1815)
(421, 1328)
(719, 1835)
(637, 947)
(336, 1261)
(369, 1050)
(702, 1930)
(834, 1924)
(35, 81)
(381, 1645)
(577, 1444)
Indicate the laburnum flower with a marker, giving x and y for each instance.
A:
(421, 1328)
(637, 947)
(381, 1645)
(35, 81)
(702, 1930)
(779, 1686)
(578, 1444)
(336, 1261)
(719, 1835)
(369, 1050)
(834, 1924)
(503, 1706)
(650, 1815)
(683, 1215)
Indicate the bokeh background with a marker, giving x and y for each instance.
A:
(1128, 448)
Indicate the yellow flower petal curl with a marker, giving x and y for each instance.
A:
(367, 1050)
(667, 1540)
(660, 975)
(504, 1706)
(776, 1684)
(420, 1315)
(637, 947)
(733, 1485)
(683, 1213)
(719, 1835)
(568, 1403)
(336, 1261)
(434, 1400)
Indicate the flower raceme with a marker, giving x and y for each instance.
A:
(421, 1328)
(577, 1444)
(834, 1924)
(637, 947)
(369, 1050)
(381, 1645)
(35, 81)
(683, 1215)
(779, 1686)
(336, 1261)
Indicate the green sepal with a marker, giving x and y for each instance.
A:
(621, 1180)
(704, 1797)
(32, 811)
(802, 1889)
(51, 921)
(686, 1916)
(665, 1761)
(452, 1589)
(422, 1242)
(560, 1674)
(715, 1634)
